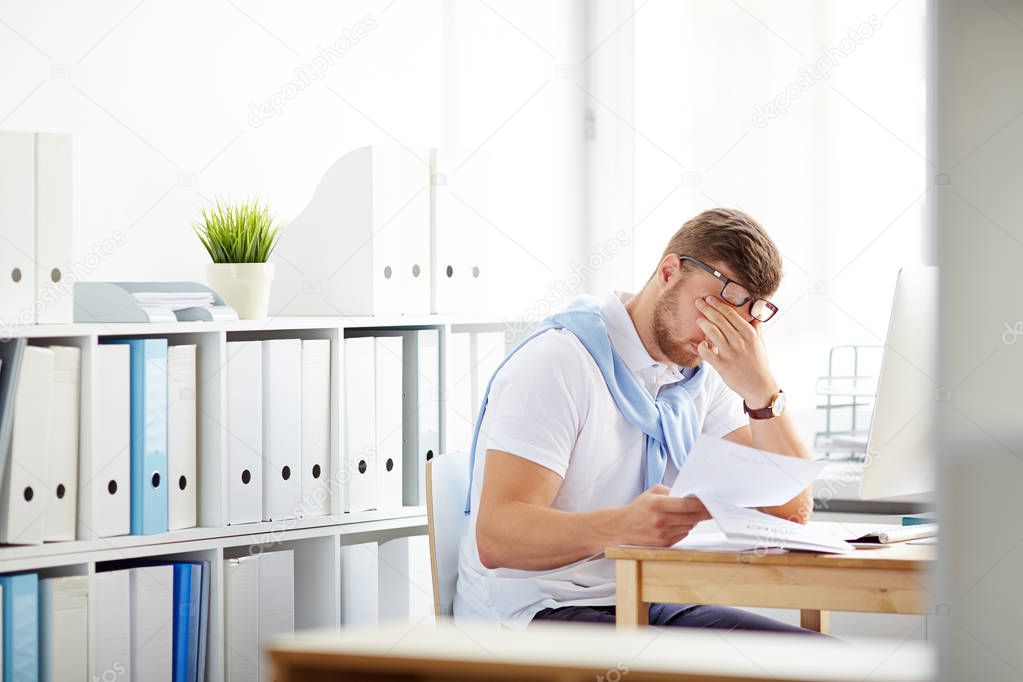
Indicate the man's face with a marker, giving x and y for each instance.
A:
(675, 314)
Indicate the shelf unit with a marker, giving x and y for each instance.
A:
(316, 541)
(847, 392)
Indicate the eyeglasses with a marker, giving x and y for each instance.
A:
(736, 294)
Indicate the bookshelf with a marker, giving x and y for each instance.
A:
(316, 541)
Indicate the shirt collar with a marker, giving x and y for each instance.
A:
(626, 342)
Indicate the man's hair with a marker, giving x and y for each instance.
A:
(729, 236)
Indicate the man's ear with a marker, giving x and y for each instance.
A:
(669, 268)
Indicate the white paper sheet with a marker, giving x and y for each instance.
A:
(728, 478)
(762, 531)
(746, 477)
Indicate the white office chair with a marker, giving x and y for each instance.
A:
(447, 482)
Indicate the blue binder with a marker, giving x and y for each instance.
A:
(148, 434)
(187, 579)
(191, 615)
(204, 621)
(21, 627)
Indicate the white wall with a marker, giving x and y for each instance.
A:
(836, 174)
(163, 100)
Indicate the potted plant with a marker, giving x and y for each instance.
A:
(239, 238)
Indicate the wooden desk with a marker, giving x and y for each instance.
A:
(579, 652)
(890, 579)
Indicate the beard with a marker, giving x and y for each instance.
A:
(676, 350)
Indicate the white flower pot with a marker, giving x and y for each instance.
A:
(243, 286)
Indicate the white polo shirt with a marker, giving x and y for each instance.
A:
(549, 404)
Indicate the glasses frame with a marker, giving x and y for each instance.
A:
(725, 281)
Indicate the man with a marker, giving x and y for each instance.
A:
(586, 424)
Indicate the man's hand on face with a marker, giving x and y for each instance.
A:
(734, 349)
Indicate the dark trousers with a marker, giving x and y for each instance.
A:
(677, 615)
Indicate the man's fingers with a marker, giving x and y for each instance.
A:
(681, 505)
(693, 504)
(707, 354)
(729, 318)
(717, 312)
(688, 520)
(678, 538)
(729, 313)
(713, 333)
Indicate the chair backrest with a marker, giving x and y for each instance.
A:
(447, 482)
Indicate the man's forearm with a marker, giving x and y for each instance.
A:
(535, 538)
(779, 434)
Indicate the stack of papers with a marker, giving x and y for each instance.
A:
(174, 300)
(730, 478)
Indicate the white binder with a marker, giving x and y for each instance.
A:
(181, 437)
(104, 468)
(63, 475)
(389, 421)
(64, 628)
(401, 236)
(259, 604)
(110, 643)
(315, 474)
(53, 289)
(244, 425)
(421, 579)
(460, 412)
(241, 618)
(459, 228)
(395, 581)
(276, 599)
(17, 229)
(421, 410)
(406, 584)
(359, 461)
(282, 429)
(26, 489)
(152, 622)
(360, 580)
(367, 224)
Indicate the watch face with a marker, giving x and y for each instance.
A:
(778, 406)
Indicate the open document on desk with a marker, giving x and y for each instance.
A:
(730, 479)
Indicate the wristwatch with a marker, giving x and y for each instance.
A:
(774, 409)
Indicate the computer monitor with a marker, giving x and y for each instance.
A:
(902, 443)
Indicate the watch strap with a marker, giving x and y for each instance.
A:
(763, 412)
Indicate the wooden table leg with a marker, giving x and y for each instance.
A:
(631, 611)
(815, 620)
